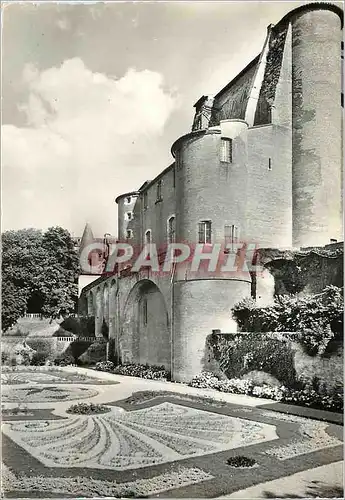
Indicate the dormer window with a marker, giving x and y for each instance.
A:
(226, 150)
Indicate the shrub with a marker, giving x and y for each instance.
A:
(143, 371)
(134, 370)
(310, 317)
(239, 354)
(77, 348)
(105, 330)
(72, 325)
(83, 326)
(38, 359)
(87, 409)
(43, 345)
(305, 397)
(64, 360)
(105, 366)
(4, 357)
(241, 461)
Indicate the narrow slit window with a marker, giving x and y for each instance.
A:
(178, 160)
(145, 312)
(148, 237)
(269, 163)
(205, 231)
(226, 150)
(145, 202)
(129, 234)
(129, 215)
(171, 229)
(159, 191)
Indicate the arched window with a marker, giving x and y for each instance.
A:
(171, 229)
(148, 237)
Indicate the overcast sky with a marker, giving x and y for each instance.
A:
(94, 95)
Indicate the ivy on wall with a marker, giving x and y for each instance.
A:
(315, 319)
(241, 354)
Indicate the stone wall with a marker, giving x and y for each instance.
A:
(303, 272)
(292, 364)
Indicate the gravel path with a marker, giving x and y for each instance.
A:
(322, 482)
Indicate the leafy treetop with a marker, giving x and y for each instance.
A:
(39, 274)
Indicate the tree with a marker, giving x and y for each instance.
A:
(39, 274)
(60, 288)
(13, 304)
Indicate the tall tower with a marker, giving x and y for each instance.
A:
(201, 213)
(316, 124)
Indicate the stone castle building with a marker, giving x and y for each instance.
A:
(262, 164)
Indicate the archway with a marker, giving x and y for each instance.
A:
(145, 333)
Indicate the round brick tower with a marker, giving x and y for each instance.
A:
(210, 191)
(126, 203)
(316, 124)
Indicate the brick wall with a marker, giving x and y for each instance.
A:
(317, 159)
(268, 208)
(200, 306)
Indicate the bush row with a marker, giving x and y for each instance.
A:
(306, 397)
(134, 370)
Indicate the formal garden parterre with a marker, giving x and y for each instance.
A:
(153, 443)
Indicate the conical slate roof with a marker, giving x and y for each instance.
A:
(87, 237)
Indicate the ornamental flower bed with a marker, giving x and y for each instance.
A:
(87, 409)
(241, 461)
(306, 397)
(134, 370)
(105, 366)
